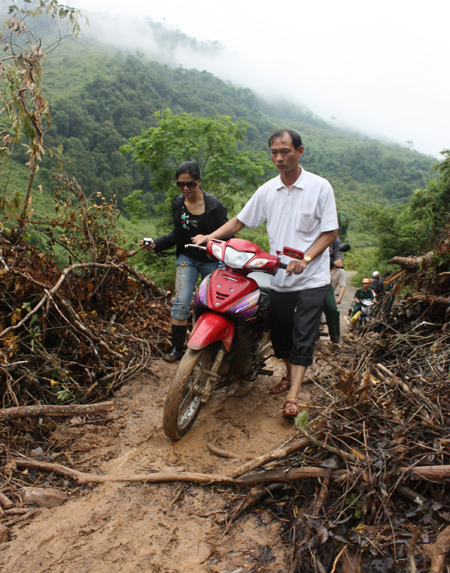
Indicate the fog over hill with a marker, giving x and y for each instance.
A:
(360, 75)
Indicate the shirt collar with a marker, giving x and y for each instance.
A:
(299, 183)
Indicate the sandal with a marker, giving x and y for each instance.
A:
(283, 386)
(290, 409)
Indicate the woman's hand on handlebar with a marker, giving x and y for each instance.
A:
(200, 239)
(296, 267)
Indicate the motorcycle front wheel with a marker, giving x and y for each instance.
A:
(184, 397)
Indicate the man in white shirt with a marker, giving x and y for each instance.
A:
(300, 211)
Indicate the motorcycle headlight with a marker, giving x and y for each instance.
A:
(217, 252)
(258, 263)
(236, 259)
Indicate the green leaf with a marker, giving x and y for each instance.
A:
(302, 419)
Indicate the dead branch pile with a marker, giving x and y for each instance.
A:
(73, 336)
(381, 439)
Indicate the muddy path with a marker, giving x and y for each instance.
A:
(167, 528)
(156, 527)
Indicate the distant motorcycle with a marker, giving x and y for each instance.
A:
(365, 315)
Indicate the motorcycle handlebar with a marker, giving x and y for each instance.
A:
(283, 266)
(196, 246)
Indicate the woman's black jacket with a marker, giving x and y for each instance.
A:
(216, 216)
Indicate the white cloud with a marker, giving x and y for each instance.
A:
(379, 68)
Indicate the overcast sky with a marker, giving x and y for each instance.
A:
(380, 68)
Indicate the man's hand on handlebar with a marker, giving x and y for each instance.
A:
(296, 267)
(200, 239)
(339, 263)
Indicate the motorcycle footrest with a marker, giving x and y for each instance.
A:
(264, 371)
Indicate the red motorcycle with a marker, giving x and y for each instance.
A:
(230, 337)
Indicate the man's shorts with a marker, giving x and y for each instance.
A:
(294, 320)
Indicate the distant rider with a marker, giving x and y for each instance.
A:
(364, 293)
(376, 284)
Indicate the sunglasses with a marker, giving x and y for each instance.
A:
(188, 184)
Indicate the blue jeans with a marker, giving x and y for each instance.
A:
(188, 271)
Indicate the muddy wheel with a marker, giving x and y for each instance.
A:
(184, 398)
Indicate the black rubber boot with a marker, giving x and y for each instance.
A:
(178, 337)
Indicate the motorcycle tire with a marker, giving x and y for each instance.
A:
(184, 397)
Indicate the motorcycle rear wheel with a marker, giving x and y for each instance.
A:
(184, 397)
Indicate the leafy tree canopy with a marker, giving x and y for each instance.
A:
(413, 228)
(211, 142)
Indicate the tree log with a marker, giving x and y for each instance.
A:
(441, 549)
(55, 410)
(413, 263)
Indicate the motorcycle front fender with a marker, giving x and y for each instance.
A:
(210, 328)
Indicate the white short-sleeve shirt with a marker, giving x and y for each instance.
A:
(296, 217)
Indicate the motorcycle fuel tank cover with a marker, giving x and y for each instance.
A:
(222, 291)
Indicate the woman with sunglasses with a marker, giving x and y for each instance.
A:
(195, 212)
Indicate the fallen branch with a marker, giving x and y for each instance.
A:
(219, 452)
(17, 511)
(413, 263)
(157, 477)
(441, 549)
(331, 449)
(5, 501)
(426, 472)
(23, 518)
(252, 499)
(428, 298)
(277, 454)
(406, 388)
(412, 549)
(318, 504)
(55, 410)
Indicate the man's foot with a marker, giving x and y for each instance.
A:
(283, 386)
(290, 409)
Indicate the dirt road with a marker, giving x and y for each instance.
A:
(156, 528)
(167, 528)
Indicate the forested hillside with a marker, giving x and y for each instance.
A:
(100, 97)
